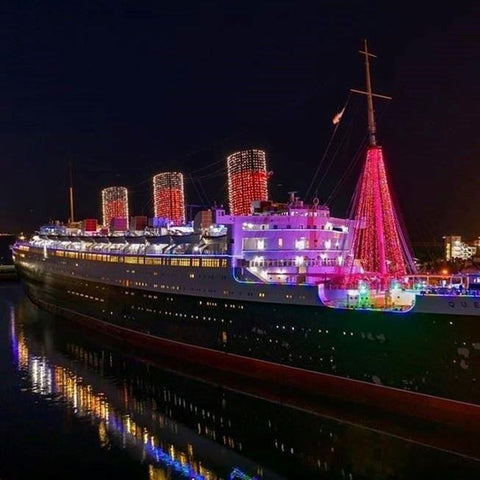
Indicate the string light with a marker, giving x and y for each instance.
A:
(377, 241)
(114, 204)
(247, 180)
(169, 197)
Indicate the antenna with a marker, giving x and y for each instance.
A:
(292, 197)
(372, 129)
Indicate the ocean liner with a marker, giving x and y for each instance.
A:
(282, 292)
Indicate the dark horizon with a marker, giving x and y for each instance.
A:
(123, 92)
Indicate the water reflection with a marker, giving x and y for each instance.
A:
(182, 426)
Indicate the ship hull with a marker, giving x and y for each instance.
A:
(420, 364)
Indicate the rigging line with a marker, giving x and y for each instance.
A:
(148, 180)
(199, 194)
(407, 253)
(141, 182)
(357, 219)
(211, 175)
(224, 140)
(356, 192)
(202, 197)
(325, 173)
(204, 193)
(317, 171)
(207, 166)
(424, 233)
(214, 173)
(205, 177)
(353, 163)
(264, 119)
(403, 233)
(222, 190)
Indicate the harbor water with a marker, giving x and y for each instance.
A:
(77, 406)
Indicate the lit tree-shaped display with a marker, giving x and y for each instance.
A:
(114, 204)
(378, 241)
(247, 180)
(169, 197)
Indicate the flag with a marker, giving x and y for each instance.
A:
(336, 119)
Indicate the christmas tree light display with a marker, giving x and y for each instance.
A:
(247, 180)
(114, 204)
(378, 243)
(169, 197)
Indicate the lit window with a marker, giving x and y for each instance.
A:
(300, 243)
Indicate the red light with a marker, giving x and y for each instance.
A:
(247, 180)
(378, 245)
(168, 197)
(114, 204)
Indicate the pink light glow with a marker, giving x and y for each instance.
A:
(378, 245)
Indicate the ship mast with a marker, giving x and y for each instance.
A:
(372, 141)
(372, 129)
(379, 244)
(71, 190)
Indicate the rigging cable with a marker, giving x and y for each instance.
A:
(317, 171)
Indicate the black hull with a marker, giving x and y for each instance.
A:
(414, 364)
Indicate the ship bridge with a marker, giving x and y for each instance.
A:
(289, 244)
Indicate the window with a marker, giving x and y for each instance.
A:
(300, 243)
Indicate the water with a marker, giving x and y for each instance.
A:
(75, 407)
(5, 254)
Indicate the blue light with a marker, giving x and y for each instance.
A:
(165, 458)
(236, 473)
(159, 455)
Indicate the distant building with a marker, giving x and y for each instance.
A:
(455, 249)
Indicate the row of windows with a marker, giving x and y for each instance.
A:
(180, 315)
(226, 305)
(300, 244)
(296, 262)
(295, 225)
(164, 286)
(141, 260)
(363, 335)
(368, 336)
(84, 295)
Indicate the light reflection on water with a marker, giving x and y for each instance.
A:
(153, 423)
(57, 382)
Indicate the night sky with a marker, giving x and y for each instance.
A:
(125, 90)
